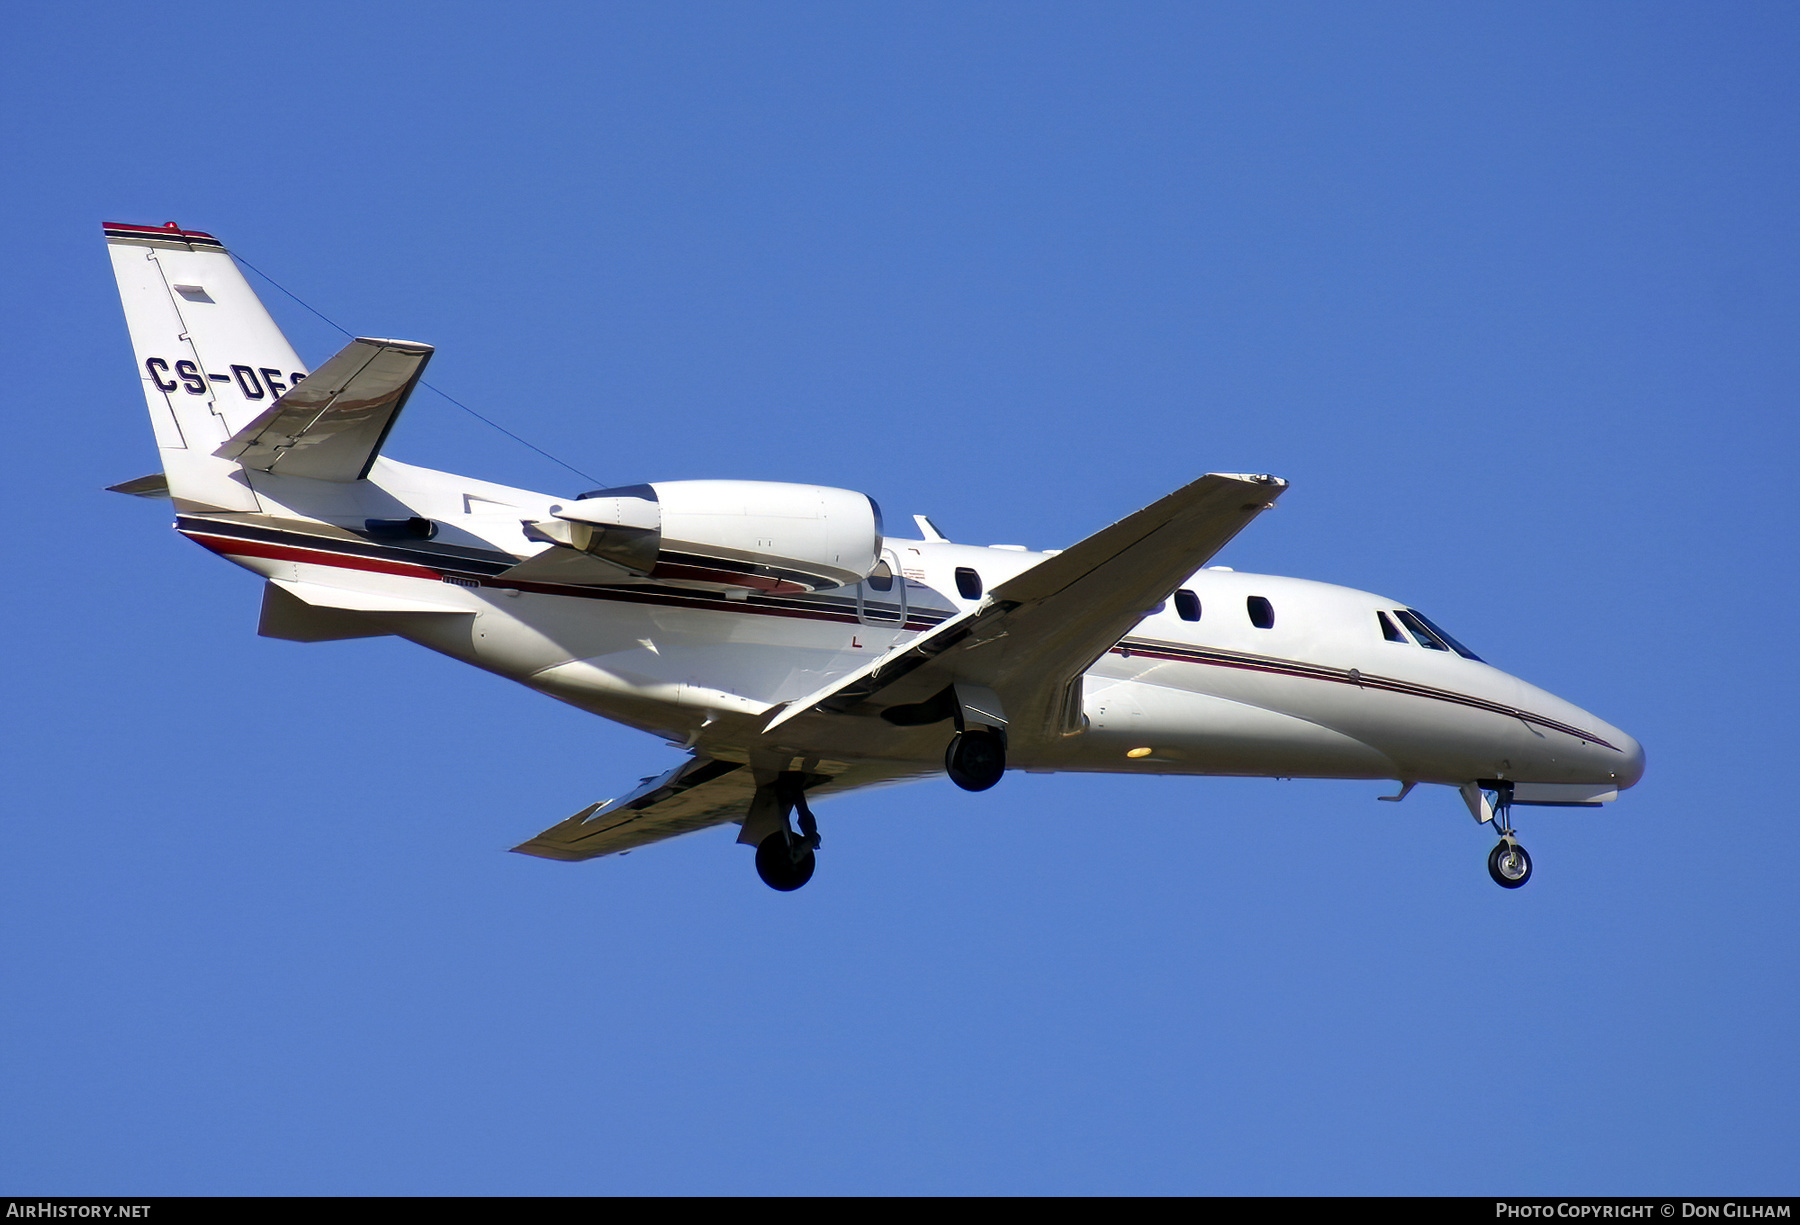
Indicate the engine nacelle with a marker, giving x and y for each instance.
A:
(727, 535)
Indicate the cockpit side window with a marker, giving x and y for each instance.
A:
(1432, 628)
(1187, 605)
(1389, 630)
(1425, 637)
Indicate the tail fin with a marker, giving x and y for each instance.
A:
(210, 357)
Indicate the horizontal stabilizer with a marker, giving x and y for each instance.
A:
(331, 425)
(156, 485)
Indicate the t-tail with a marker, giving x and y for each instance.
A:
(224, 386)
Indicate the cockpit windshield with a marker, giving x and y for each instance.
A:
(1429, 635)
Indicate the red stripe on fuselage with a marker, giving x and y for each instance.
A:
(229, 546)
(234, 546)
(1321, 672)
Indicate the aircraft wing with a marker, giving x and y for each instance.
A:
(331, 425)
(699, 793)
(1034, 635)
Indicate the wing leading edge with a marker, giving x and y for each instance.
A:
(1034, 635)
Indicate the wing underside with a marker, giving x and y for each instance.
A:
(698, 794)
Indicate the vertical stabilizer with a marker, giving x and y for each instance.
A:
(210, 357)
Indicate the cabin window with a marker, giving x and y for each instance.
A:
(1389, 630)
(882, 577)
(1431, 627)
(1262, 613)
(968, 583)
(1187, 605)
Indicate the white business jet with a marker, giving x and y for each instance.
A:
(785, 641)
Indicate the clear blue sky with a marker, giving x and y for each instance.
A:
(1507, 291)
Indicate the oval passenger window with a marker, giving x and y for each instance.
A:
(882, 578)
(968, 583)
(1187, 605)
(1262, 613)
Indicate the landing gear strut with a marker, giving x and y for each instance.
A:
(1508, 863)
(784, 859)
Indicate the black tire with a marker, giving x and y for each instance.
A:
(784, 863)
(975, 760)
(1509, 865)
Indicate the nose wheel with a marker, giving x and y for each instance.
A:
(1508, 864)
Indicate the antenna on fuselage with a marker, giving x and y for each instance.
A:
(929, 530)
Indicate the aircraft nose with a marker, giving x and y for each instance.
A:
(1631, 766)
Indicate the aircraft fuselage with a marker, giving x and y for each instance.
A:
(1324, 689)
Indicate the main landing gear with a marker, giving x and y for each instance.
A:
(784, 859)
(976, 758)
(1508, 863)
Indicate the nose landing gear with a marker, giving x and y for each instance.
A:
(1508, 863)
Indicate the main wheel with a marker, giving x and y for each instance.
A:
(1509, 865)
(975, 760)
(784, 862)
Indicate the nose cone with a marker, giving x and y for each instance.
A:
(1623, 763)
(1607, 754)
(1630, 765)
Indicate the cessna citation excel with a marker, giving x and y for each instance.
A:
(781, 637)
